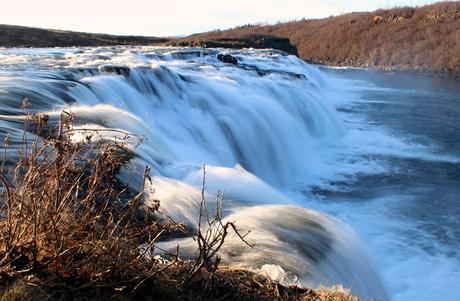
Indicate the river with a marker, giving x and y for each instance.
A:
(343, 176)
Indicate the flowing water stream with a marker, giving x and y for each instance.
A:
(343, 176)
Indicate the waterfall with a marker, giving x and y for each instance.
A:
(262, 126)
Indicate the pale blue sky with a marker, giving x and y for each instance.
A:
(174, 17)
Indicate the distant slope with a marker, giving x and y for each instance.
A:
(20, 36)
(425, 38)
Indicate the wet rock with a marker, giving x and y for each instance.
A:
(119, 70)
(227, 58)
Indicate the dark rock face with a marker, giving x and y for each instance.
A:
(227, 58)
(245, 41)
(118, 70)
(276, 43)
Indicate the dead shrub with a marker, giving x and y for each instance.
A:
(67, 224)
(63, 212)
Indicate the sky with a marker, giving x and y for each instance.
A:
(175, 17)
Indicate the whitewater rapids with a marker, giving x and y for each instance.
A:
(264, 127)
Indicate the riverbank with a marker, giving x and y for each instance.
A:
(223, 284)
(418, 72)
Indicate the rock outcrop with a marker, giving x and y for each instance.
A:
(245, 41)
(227, 58)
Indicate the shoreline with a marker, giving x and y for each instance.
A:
(415, 71)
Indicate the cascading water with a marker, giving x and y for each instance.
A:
(265, 128)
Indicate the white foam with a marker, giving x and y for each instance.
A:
(263, 138)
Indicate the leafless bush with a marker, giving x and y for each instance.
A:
(67, 224)
(211, 236)
(64, 212)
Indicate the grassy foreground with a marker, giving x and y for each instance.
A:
(69, 230)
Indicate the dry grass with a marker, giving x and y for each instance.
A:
(69, 230)
(223, 284)
(64, 214)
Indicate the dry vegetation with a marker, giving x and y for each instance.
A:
(69, 230)
(425, 38)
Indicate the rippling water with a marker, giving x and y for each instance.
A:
(409, 212)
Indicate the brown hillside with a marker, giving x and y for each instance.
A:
(21, 36)
(422, 38)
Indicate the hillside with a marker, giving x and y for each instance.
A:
(424, 38)
(21, 36)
